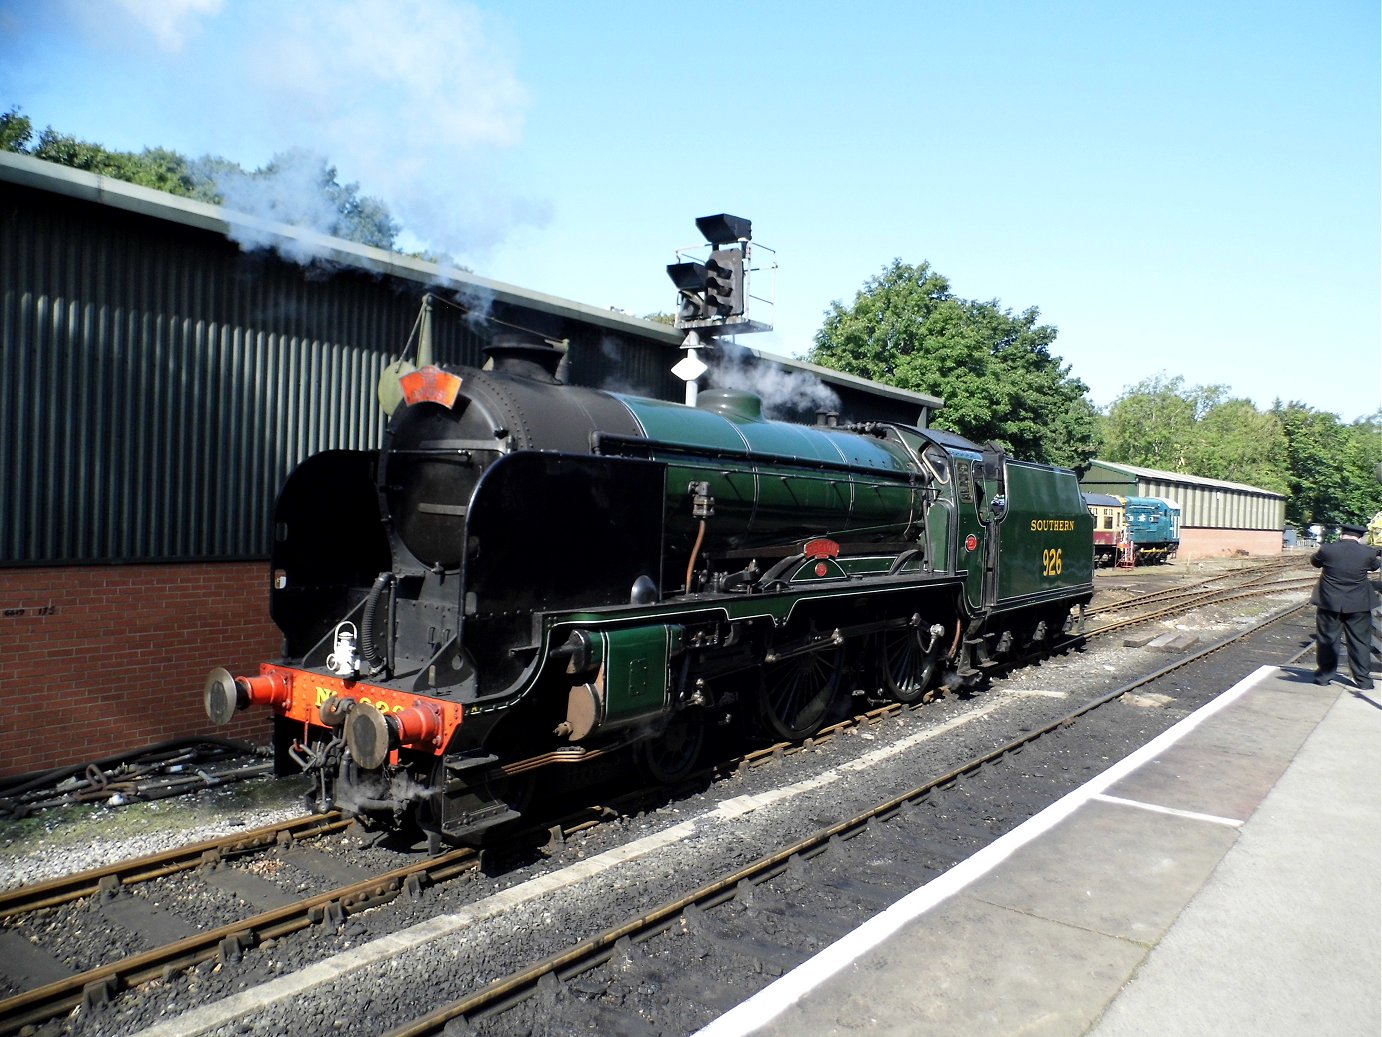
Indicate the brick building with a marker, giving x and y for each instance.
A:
(1218, 518)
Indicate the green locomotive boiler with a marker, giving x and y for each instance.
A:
(531, 574)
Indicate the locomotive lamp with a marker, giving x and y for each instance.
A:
(344, 661)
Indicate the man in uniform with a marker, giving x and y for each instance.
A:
(1343, 600)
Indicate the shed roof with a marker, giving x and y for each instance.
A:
(1182, 479)
(77, 183)
(1102, 500)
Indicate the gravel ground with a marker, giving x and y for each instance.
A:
(72, 839)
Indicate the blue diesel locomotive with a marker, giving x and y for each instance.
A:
(1133, 530)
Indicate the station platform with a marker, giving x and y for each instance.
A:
(1226, 878)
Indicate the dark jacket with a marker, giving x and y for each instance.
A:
(1344, 585)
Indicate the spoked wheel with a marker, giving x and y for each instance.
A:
(908, 666)
(797, 693)
(672, 754)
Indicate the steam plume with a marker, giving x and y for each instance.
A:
(785, 394)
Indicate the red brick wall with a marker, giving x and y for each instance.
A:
(100, 660)
(1199, 542)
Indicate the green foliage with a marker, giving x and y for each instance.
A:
(1332, 466)
(661, 318)
(1196, 430)
(300, 188)
(1238, 443)
(295, 187)
(994, 369)
(1326, 469)
(1362, 457)
(158, 168)
(1150, 425)
(16, 131)
(207, 172)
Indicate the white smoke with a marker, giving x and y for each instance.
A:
(785, 394)
(170, 22)
(291, 194)
(615, 380)
(416, 101)
(475, 300)
(400, 788)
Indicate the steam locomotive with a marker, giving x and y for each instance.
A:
(530, 574)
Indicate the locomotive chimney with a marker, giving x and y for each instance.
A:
(525, 357)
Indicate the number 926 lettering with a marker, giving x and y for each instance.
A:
(1051, 564)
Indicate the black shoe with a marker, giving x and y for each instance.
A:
(1366, 685)
(1321, 679)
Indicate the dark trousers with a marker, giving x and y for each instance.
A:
(1357, 630)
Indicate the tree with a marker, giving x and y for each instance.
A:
(158, 168)
(300, 188)
(1325, 469)
(1196, 430)
(1315, 442)
(1363, 468)
(1332, 466)
(1236, 442)
(993, 369)
(296, 187)
(16, 131)
(1150, 425)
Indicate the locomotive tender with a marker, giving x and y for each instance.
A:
(530, 573)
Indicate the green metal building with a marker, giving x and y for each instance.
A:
(1218, 518)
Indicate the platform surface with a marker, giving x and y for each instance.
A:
(1226, 878)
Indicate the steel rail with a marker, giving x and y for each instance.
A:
(34, 1007)
(591, 952)
(66, 888)
(890, 710)
(1204, 598)
(73, 887)
(1254, 576)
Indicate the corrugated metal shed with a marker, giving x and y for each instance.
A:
(157, 383)
(1208, 503)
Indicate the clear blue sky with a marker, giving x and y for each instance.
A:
(1185, 188)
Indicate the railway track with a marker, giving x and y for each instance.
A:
(226, 943)
(1179, 604)
(107, 879)
(747, 912)
(1253, 577)
(49, 893)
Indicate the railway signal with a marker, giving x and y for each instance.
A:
(713, 296)
(690, 279)
(724, 284)
(724, 229)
